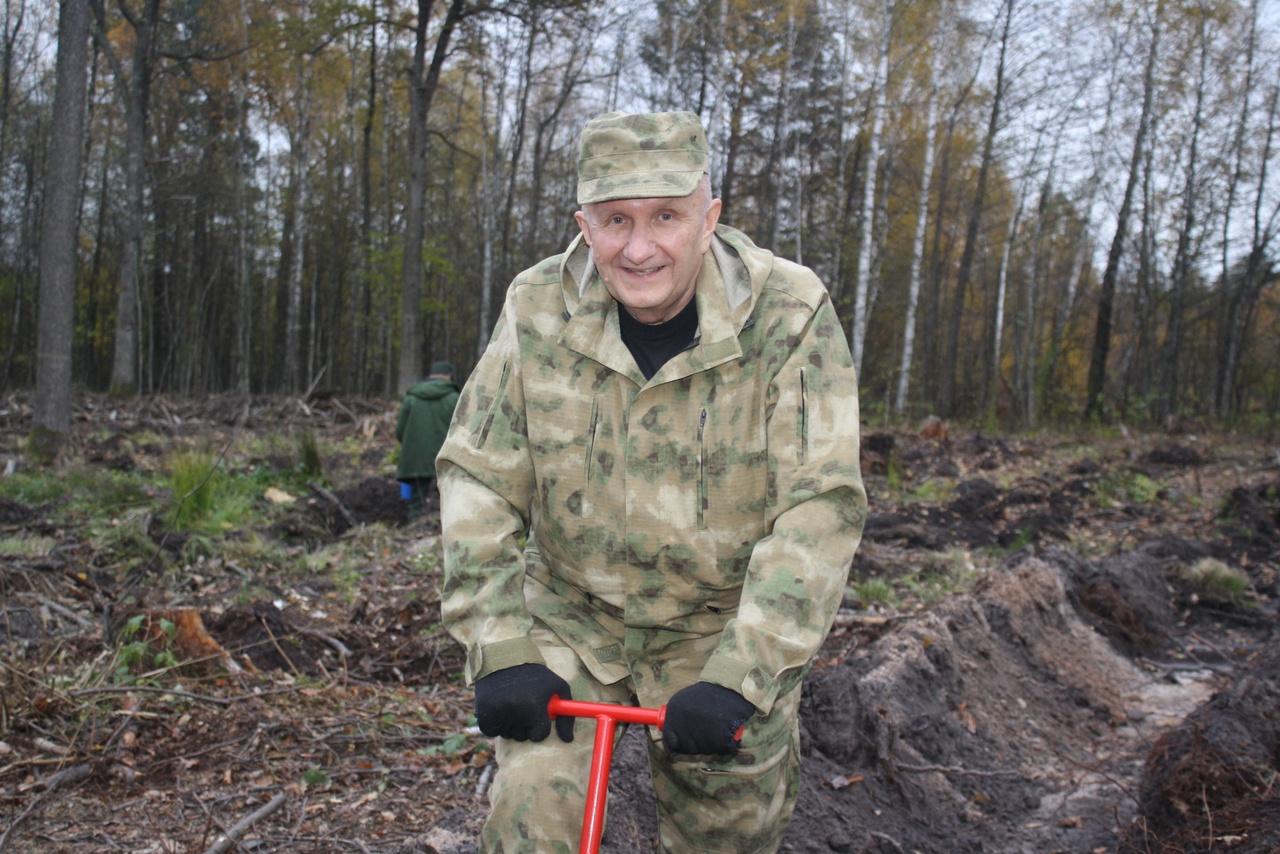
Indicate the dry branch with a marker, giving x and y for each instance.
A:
(241, 827)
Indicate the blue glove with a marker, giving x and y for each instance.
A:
(703, 720)
(512, 703)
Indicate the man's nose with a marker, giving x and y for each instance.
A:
(639, 242)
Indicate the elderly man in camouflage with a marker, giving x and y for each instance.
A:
(651, 495)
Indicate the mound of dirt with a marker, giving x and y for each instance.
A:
(1210, 784)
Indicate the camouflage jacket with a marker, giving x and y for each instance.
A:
(713, 509)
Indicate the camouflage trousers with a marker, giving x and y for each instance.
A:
(736, 805)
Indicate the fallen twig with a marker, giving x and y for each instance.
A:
(151, 689)
(952, 769)
(242, 826)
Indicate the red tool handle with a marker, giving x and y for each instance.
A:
(607, 716)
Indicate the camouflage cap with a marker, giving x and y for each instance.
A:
(641, 156)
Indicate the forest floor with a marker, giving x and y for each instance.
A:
(1048, 644)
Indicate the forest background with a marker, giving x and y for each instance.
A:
(1026, 212)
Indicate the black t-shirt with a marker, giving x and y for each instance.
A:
(651, 345)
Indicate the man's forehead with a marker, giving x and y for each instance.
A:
(644, 203)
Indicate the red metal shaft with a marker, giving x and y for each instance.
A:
(607, 716)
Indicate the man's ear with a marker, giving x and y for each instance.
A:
(583, 225)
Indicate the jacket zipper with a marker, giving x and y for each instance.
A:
(703, 487)
(802, 449)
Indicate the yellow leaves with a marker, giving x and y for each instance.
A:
(278, 496)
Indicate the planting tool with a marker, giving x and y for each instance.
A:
(607, 716)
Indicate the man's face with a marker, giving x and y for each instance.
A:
(649, 251)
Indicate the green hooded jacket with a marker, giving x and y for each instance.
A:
(704, 518)
(422, 426)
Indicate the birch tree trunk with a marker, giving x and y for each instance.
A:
(299, 160)
(917, 242)
(862, 281)
(964, 274)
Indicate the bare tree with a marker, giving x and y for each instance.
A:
(964, 274)
(423, 81)
(134, 85)
(1107, 295)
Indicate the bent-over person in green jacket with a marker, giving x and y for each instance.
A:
(420, 428)
(651, 495)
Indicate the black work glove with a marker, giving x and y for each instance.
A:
(703, 719)
(512, 703)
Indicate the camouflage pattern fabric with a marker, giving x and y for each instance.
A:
(641, 156)
(698, 525)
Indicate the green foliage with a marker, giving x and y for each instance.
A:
(316, 778)
(139, 656)
(453, 745)
(309, 454)
(93, 491)
(875, 591)
(207, 499)
(1125, 486)
(24, 546)
(1214, 580)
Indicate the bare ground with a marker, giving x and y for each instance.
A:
(1050, 676)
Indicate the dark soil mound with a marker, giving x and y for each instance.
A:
(258, 635)
(1252, 521)
(1125, 597)
(1210, 784)
(1173, 455)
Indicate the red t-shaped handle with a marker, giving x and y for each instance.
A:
(607, 716)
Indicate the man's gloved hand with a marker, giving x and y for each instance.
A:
(512, 703)
(703, 719)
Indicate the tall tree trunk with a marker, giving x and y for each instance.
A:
(1107, 294)
(965, 272)
(241, 351)
(1226, 293)
(300, 162)
(136, 90)
(922, 225)
(422, 90)
(1186, 255)
(58, 234)
(1257, 272)
(14, 18)
(862, 282)
(360, 284)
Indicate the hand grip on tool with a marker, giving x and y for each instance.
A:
(607, 716)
